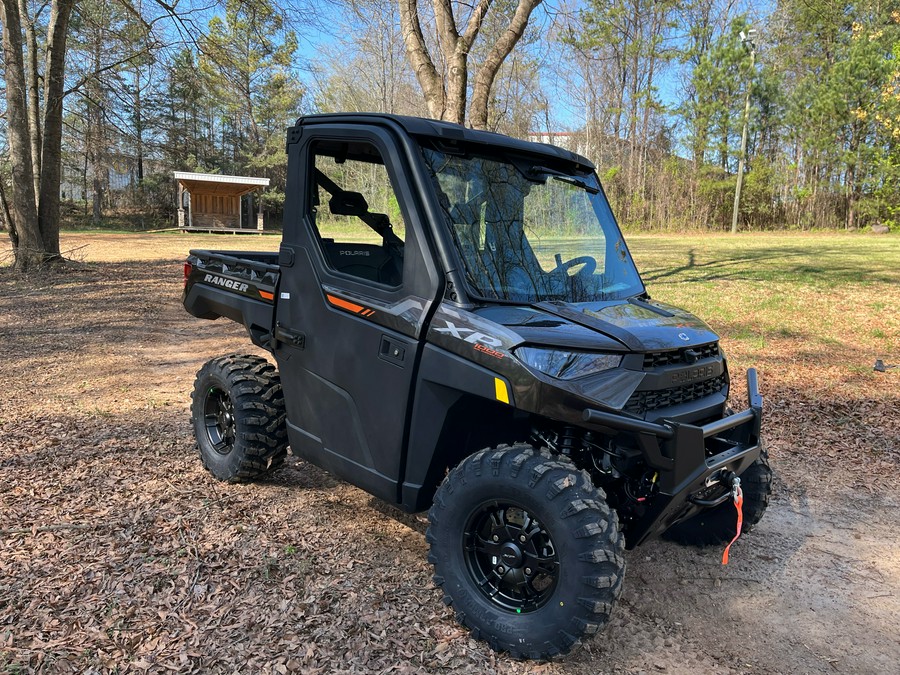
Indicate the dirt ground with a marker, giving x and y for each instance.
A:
(119, 553)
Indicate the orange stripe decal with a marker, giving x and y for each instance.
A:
(344, 304)
(265, 295)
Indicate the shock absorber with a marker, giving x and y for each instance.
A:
(568, 441)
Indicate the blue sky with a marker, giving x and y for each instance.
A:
(313, 38)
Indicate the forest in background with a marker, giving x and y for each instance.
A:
(653, 91)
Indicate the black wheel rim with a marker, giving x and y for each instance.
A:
(218, 418)
(511, 557)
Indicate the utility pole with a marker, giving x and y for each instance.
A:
(746, 40)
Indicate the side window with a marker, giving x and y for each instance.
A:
(357, 217)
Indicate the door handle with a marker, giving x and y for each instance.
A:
(294, 338)
(285, 257)
(392, 351)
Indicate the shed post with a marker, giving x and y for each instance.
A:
(180, 205)
(259, 216)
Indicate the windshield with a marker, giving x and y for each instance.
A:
(528, 233)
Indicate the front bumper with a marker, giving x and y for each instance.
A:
(689, 460)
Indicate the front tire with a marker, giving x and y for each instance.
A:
(526, 550)
(237, 409)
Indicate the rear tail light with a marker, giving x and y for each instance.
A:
(188, 268)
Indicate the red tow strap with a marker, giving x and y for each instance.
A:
(738, 496)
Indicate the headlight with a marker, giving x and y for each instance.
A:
(567, 365)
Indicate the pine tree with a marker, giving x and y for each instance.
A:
(240, 53)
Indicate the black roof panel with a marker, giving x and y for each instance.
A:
(422, 127)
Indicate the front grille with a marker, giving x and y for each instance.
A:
(656, 359)
(644, 401)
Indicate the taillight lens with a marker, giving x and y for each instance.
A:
(188, 268)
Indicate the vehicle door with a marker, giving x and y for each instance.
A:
(356, 282)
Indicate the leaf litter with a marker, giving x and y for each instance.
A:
(118, 553)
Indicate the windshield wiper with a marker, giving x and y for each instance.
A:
(539, 171)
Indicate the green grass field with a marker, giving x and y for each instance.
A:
(772, 284)
(827, 290)
(830, 289)
(816, 291)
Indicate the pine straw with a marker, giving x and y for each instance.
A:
(119, 553)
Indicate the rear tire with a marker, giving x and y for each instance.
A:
(719, 525)
(526, 550)
(237, 409)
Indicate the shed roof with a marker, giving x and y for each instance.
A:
(218, 184)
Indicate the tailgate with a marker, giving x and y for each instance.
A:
(220, 283)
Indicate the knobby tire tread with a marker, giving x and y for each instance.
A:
(255, 389)
(580, 507)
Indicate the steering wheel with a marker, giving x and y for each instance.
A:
(590, 265)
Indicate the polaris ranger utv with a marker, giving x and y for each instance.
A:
(458, 326)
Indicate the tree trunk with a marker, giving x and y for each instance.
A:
(417, 53)
(96, 147)
(446, 93)
(32, 206)
(51, 155)
(97, 203)
(487, 73)
(851, 197)
(455, 48)
(139, 131)
(457, 82)
(852, 178)
(24, 228)
(84, 182)
(32, 73)
(6, 222)
(636, 30)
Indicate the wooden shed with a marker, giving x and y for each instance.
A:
(209, 201)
